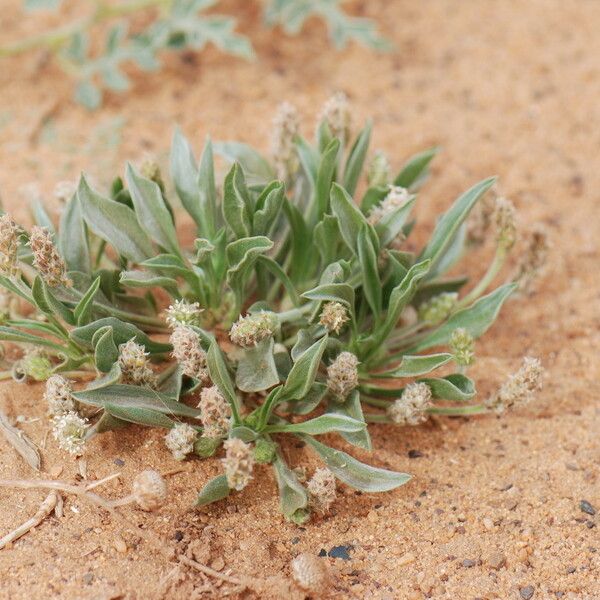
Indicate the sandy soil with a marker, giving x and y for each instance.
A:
(493, 510)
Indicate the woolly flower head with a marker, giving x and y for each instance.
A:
(411, 407)
(396, 197)
(519, 388)
(69, 431)
(342, 375)
(182, 312)
(505, 219)
(151, 170)
(286, 125)
(59, 396)
(214, 412)
(311, 573)
(378, 173)
(534, 258)
(9, 245)
(321, 489)
(479, 223)
(180, 440)
(336, 113)
(334, 316)
(462, 346)
(149, 490)
(238, 463)
(46, 258)
(134, 364)
(436, 309)
(248, 331)
(188, 352)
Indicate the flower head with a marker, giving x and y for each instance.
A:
(396, 197)
(9, 245)
(59, 396)
(69, 431)
(238, 463)
(180, 440)
(462, 346)
(134, 364)
(438, 308)
(215, 412)
(182, 312)
(336, 113)
(150, 169)
(519, 388)
(378, 173)
(188, 353)
(286, 125)
(342, 375)
(46, 258)
(248, 331)
(506, 228)
(411, 407)
(334, 316)
(149, 490)
(480, 220)
(533, 260)
(321, 488)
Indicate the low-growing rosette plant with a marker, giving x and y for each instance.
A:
(298, 307)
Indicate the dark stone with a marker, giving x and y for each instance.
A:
(571, 570)
(340, 552)
(119, 462)
(323, 552)
(527, 592)
(415, 454)
(295, 540)
(468, 563)
(587, 508)
(178, 536)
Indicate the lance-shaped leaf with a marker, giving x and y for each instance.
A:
(83, 310)
(72, 241)
(456, 387)
(237, 207)
(391, 225)
(122, 332)
(135, 397)
(476, 319)
(106, 351)
(314, 397)
(352, 407)
(325, 176)
(302, 375)
(143, 279)
(167, 264)
(300, 242)
(241, 256)
(207, 191)
(115, 223)
(354, 473)
(273, 267)
(184, 174)
(448, 225)
(367, 258)
(415, 170)
(333, 292)
(327, 238)
(267, 208)
(308, 159)
(292, 494)
(139, 415)
(412, 366)
(327, 423)
(219, 374)
(356, 159)
(216, 489)
(256, 167)
(9, 334)
(48, 303)
(151, 210)
(256, 370)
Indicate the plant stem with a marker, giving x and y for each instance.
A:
(451, 411)
(489, 276)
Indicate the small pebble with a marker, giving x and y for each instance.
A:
(587, 508)
(406, 559)
(488, 523)
(218, 564)
(527, 592)
(415, 454)
(340, 552)
(497, 560)
(468, 563)
(119, 462)
(120, 545)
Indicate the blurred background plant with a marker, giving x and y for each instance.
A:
(175, 25)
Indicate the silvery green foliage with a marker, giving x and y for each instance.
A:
(267, 257)
(178, 25)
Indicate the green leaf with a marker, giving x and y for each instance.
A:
(273, 267)
(138, 415)
(371, 283)
(391, 225)
(308, 159)
(241, 257)
(449, 224)
(453, 387)
(83, 309)
(216, 489)
(88, 94)
(123, 332)
(292, 495)
(167, 264)
(184, 174)
(354, 473)
(300, 242)
(47, 302)
(333, 292)
(327, 237)
(143, 279)
(151, 210)
(412, 366)
(313, 398)
(476, 319)
(9, 334)
(325, 175)
(135, 397)
(304, 371)
(114, 222)
(352, 408)
(72, 240)
(106, 352)
(256, 370)
(237, 208)
(268, 205)
(356, 159)
(327, 423)
(220, 376)
(256, 167)
(415, 169)
(207, 192)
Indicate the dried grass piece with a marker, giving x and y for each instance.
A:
(20, 442)
(47, 506)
